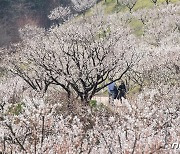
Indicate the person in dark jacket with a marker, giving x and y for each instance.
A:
(121, 91)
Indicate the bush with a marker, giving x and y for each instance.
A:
(93, 103)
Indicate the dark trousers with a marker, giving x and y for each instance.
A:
(121, 94)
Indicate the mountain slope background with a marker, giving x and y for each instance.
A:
(17, 13)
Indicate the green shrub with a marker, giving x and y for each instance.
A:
(93, 103)
(16, 109)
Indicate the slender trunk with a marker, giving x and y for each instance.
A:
(42, 131)
(130, 10)
(4, 145)
(35, 146)
(68, 98)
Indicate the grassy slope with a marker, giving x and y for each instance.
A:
(111, 6)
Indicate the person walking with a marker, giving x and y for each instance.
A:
(121, 91)
(112, 90)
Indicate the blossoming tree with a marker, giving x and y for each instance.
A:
(78, 56)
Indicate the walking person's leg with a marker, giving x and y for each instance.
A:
(120, 96)
(124, 94)
(111, 97)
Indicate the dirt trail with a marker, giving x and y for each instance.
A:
(118, 106)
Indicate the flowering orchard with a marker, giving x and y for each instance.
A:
(49, 78)
(41, 125)
(78, 56)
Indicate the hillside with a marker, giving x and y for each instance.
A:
(17, 13)
(104, 80)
